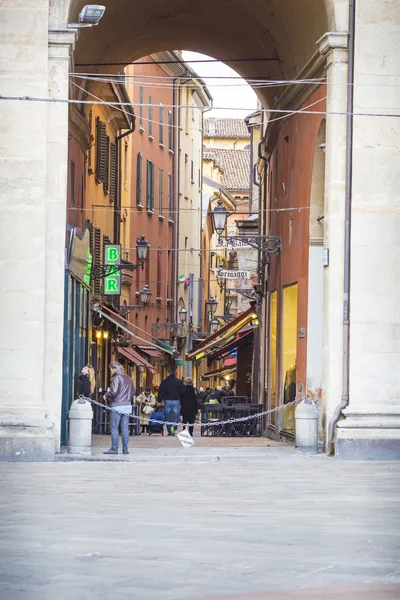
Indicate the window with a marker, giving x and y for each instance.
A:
(285, 176)
(150, 185)
(102, 142)
(150, 116)
(113, 172)
(72, 182)
(141, 107)
(170, 200)
(160, 191)
(170, 135)
(161, 124)
(159, 272)
(139, 180)
(90, 125)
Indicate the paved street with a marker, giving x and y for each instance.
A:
(175, 530)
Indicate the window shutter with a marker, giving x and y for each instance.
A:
(98, 150)
(159, 272)
(90, 125)
(113, 172)
(139, 180)
(101, 152)
(170, 215)
(106, 161)
(170, 137)
(72, 182)
(150, 115)
(160, 191)
(141, 107)
(150, 185)
(161, 124)
(96, 252)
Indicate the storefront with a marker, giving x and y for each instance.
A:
(76, 317)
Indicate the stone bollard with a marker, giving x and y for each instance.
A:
(306, 416)
(80, 428)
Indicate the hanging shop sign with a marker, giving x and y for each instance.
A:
(112, 281)
(79, 257)
(232, 274)
(232, 244)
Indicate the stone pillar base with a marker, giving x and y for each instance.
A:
(25, 436)
(26, 447)
(369, 436)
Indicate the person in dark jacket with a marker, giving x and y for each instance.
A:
(120, 396)
(87, 382)
(170, 393)
(189, 404)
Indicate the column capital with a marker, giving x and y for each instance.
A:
(332, 40)
(62, 37)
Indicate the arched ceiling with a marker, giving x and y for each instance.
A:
(284, 30)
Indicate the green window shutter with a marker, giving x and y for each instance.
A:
(141, 107)
(160, 191)
(113, 172)
(150, 185)
(139, 180)
(150, 115)
(106, 163)
(101, 152)
(161, 124)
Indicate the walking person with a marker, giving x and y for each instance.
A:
(87, 382)
(120, 397)
(147, 403)
(189, 404)
(170, 393)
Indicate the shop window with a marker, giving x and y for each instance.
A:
(289, 354)
(273, 332)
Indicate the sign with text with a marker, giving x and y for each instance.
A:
(233, 274)
(112, 281)
(232, 244)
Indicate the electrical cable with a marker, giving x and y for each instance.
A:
(179, 62)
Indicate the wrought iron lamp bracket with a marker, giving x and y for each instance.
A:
(124, 310)
(100, 271)
(268, 244)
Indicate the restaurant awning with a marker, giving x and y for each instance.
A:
(122, 323)
(222, 336)
(241, 341)
(220, 371)
(151, 352)
(136, 358)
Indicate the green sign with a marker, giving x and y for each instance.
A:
(112, 281)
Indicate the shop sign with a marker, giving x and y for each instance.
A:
(79, 257)
(233, 274)
(112, 281)
(232, 244)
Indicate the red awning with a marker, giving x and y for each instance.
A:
(151, 352)
(230, 362)
(135, 357)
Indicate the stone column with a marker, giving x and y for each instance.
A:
(61, 45)
(371, 428)
(334, 47)
(25, 427)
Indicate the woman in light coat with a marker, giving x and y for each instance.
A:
(145, 399)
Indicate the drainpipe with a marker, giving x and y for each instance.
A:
(347, 232)
(175, 193)
(265, 292)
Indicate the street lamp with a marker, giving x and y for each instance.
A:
(214, 325)
(219, 216)
(145, 295)
(220, 279)
(182, 314)
(142, 250)
(211, 305)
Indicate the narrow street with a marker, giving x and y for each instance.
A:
(180, 530)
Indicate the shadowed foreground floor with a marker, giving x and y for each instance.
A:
(180, 530)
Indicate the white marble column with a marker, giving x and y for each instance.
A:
(371, 428)
(334, 47)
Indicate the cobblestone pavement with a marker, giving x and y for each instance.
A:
(175, 530)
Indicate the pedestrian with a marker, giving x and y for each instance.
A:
(147, 403)
(87, 382)
(189, 404)
(203, 394)
(120, 396)
(170, 393)
(218, 394)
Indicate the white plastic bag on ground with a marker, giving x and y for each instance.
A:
(185, 438)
